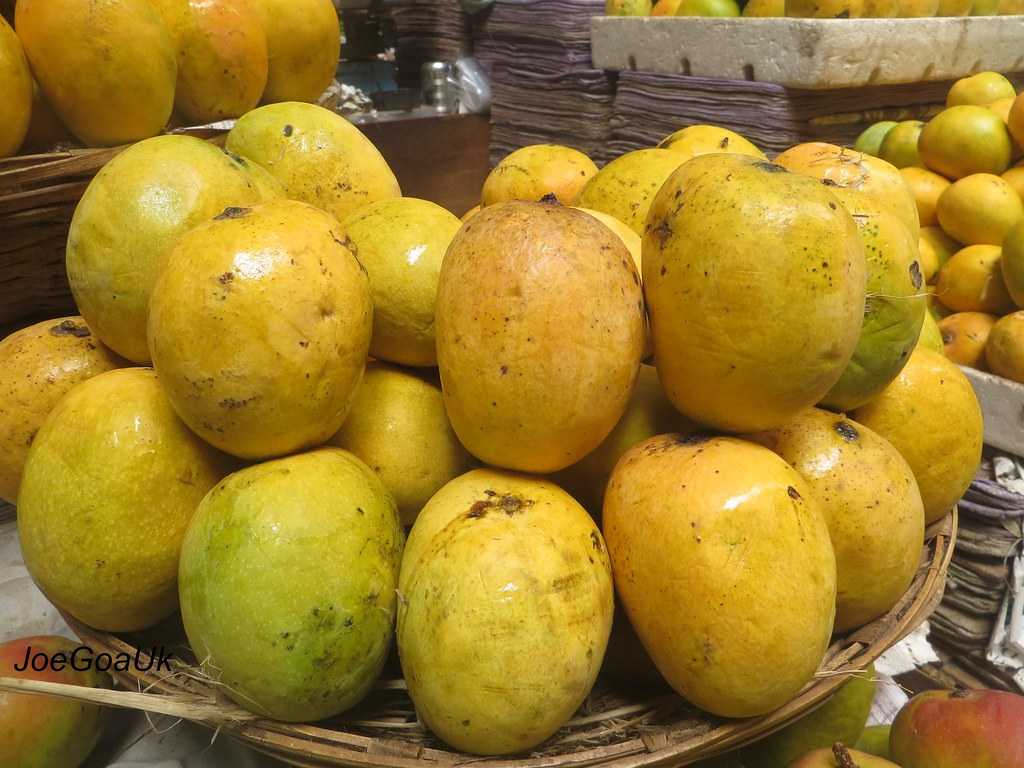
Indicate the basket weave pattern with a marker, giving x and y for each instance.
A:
(615, 727)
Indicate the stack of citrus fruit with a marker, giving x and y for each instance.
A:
(963, 168)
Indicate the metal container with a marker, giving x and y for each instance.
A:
(440, 89)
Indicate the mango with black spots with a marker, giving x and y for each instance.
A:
(893, 310)
(695, 140)
(501, 571)
(316, 155)
(110, 485)
(260, 326)
(222, 57)
(625, 187)
(755, 281)
(696, 528)
(287, 582)
(38, 366)
(536, 172)
(858, 172)
(871, 503)
(528, 384)
(130, 218)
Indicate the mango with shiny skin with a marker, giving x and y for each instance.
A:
(131, 216)
(502, 570)
(871, 503)
(318, 156)
(694, 528)
(287, 580)
(514, 389)
(931, 415)
(260, 326)
(731, 231)
(108, 67)
(401, 243)
(110, 485)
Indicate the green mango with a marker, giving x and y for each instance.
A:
(840, 718)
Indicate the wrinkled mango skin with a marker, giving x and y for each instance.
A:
(129, 219)
(625, 187)
(16, 87)
(946, 729)
(401, 242)
(110, 485)
(47, 731)
(38, 366)
(931, 415)
(694, 528)
(537, 171)
(318, 156)
(115, 83)
(894, 308)
(260, 326)
(755, 283)
(222, 57)
(303, 45)
(871, 503)
(502, 570)
(287, 582)
(520, 394)
(857, 172)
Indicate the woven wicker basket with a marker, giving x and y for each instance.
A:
(615, 727)
(38, 195)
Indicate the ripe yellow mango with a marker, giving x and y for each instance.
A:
(108, 67)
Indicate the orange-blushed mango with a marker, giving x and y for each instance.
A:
(513, 389)
(694, 526)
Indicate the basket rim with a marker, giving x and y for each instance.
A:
(316, 745)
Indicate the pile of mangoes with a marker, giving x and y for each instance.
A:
(702, 393)
(963, 166)
(814, 9)
(113, 72)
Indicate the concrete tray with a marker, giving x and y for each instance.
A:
(1002, 405)
(811, 53)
